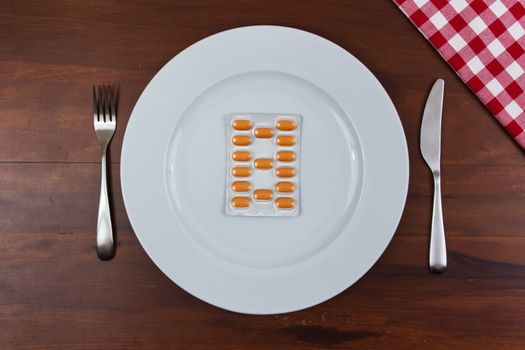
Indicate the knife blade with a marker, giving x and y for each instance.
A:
(431, 126)
(430, 145)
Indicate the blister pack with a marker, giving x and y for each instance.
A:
(263, 165)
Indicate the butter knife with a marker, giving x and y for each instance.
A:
(430, 144)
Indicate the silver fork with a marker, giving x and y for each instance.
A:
(105, 121)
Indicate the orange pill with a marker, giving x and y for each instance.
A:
(241, 124)
(263, 133)
(284, 187)
(285, 140)
(263, 163)
(285, 171)
(263, 195)
(242, 140)
(241, 186)
(241, 156)
(285, 203)
(285, 156)
(286, 124)
(241, 171)
(241, 202)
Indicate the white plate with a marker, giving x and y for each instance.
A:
(354, 170)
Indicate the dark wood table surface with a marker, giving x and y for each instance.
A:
(56, 294)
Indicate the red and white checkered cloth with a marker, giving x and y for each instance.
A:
(484, 42)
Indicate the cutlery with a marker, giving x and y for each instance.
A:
(105, 121)
(430, 144)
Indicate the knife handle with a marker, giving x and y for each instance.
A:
(438, 247)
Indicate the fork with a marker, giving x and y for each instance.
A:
(105, 122)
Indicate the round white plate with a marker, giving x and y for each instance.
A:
(354, 170)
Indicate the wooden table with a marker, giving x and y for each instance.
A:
(56, 294)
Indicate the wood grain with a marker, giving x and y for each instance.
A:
(55, 293)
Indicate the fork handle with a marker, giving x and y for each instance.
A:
(438, 247)
(105, 247)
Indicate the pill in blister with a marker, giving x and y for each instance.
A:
(241, 124)
(286, 124)
(242, 140)
(285, 203)
(263, 163)
(241, 171)
(241, 202)
(285, 156)
(263, 133)
(285, 171)
(285, 140)
(241, 186)
(241, 156)
(284, 187)
(263, 195)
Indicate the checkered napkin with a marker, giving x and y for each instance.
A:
(484, 42)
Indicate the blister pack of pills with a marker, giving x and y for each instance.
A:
(263, 165)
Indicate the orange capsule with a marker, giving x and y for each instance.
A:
(263, 133)
(285, 156)
(285, 203)
(241, 186)
(263, 163)
(241, 202)
(241, 156)
(285, 171)
(241, 171)
(286, 124)
(241, 124)
(263, 195)
(242, 140)
(285, 140)
(284, 187)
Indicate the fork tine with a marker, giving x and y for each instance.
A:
(100, 104)
(103, 103)
(107, 102)
(112, 100)
(95, 105)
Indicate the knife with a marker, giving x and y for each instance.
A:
(430, 144)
